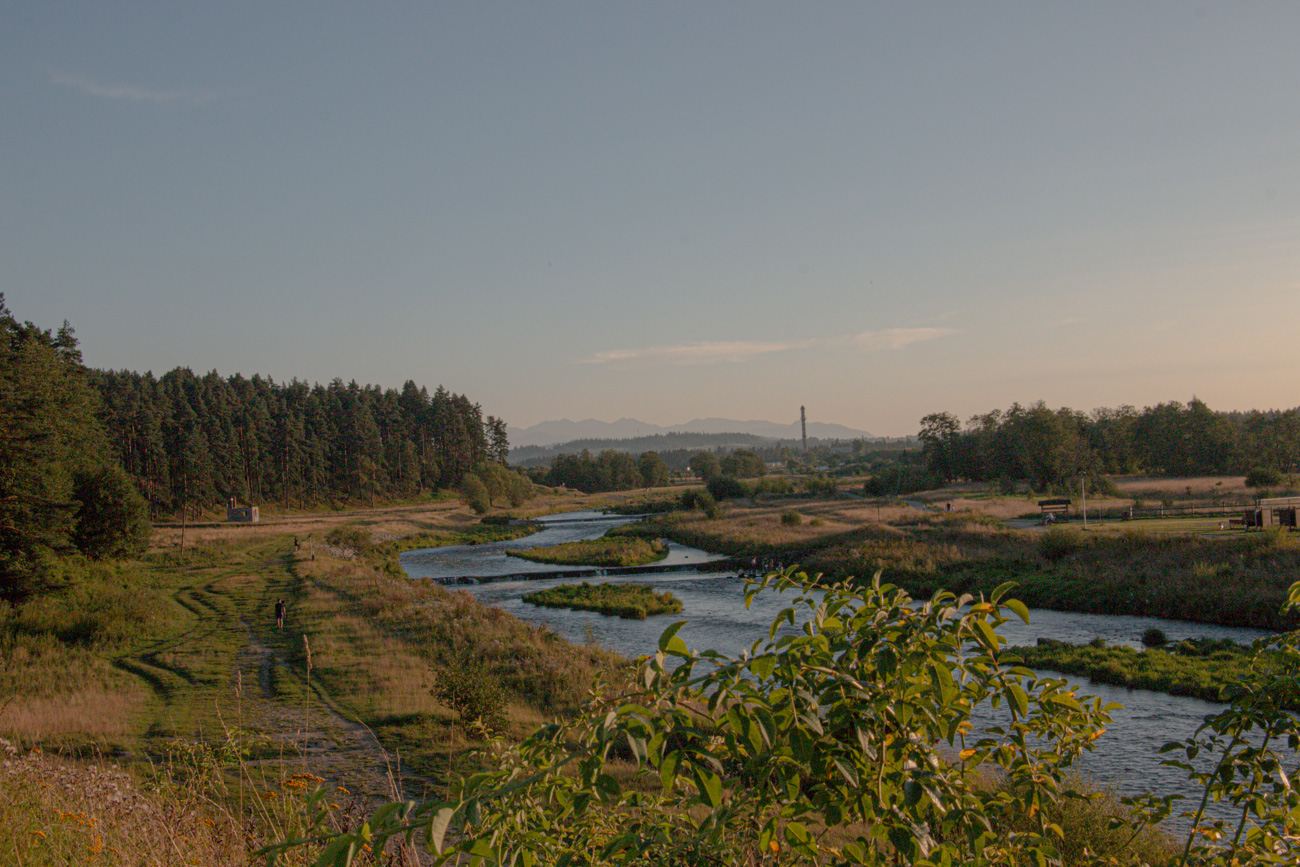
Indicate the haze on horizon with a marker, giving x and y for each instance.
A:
(668, 212)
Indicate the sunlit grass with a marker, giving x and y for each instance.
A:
(605, 552)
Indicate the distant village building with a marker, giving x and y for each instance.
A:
(240, 514)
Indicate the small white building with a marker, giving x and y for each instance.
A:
(240, 514)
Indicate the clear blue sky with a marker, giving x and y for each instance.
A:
(668, 210)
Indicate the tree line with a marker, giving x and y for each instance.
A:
(87, 456)
(192, 440)
(1049, 447)
(61, 491)
(608, 471)
(618, 471)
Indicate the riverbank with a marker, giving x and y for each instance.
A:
(1204, 669)
(1237, 580)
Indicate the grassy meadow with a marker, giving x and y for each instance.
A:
(151, 712)
(171, 667)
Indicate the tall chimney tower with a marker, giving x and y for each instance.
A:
(803, 423)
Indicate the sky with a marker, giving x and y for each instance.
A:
(668, 210)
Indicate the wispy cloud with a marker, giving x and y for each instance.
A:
(694, 353)
(133, 93)
(739, 351)
(897, 338)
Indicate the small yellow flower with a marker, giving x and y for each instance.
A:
(966, 754)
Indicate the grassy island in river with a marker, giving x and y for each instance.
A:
(1201, 668)
(620, 551)
(630, 601)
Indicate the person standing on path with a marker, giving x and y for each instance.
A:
(279, 614)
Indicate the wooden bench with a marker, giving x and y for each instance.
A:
(1057, 508)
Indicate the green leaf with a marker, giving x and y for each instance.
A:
(755, 734)
(1018, 695)
(991, 640)
(710, 787)
(855, 852)
(668, 769)
(1002, 590)
(848, 772)
(669, 642)
(438, 828)
(1021, 610)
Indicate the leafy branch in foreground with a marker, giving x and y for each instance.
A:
(845, 736)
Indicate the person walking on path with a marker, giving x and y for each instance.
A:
(279, 614)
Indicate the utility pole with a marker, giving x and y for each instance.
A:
(803, 423)
(1084, 487)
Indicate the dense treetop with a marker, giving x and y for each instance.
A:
(195, 439)
(1046, 446)
(60, 489)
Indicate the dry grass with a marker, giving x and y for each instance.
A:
(197, 809)
(972, 497)
(95, 713)
(59, 812)
(1200, 486)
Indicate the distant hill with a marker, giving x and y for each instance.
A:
(665, 444)
(550, 433)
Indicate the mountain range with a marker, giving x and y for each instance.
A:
(550, 433)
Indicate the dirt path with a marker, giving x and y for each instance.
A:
(310, 736)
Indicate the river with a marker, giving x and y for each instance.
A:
(1126, 759)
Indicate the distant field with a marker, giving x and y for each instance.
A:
(1166, 526)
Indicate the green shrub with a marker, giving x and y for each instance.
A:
(1154, 637)
(695, 498)
(112, 519)
(791, 518)
(860, 733)
(476, 494)
(473, 694)
(1055, 545)
(1262, 477)
(727, 488)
